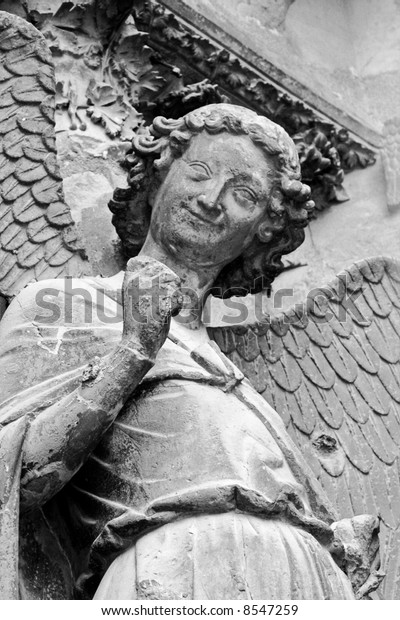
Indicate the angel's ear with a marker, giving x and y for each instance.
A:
(265, 232)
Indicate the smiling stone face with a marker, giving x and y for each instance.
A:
(212, 200)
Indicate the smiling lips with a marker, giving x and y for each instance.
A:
(203, 215)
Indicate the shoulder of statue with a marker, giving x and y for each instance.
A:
(61, 296)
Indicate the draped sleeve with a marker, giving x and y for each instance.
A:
(47, 336)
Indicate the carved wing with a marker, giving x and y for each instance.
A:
(331, 369)
(37, 236)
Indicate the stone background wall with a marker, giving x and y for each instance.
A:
(346, 52)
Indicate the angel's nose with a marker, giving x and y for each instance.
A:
(212, 198)
(209, 203)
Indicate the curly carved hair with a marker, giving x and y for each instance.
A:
(288, 210)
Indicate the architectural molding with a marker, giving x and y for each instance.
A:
(196, 21)
(210, 70)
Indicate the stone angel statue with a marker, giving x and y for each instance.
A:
(140, 459)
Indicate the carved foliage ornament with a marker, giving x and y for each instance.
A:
(152, 64)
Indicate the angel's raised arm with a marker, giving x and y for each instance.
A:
(64, 396)
(69, 395)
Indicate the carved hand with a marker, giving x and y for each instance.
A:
(62, 436)
(150, 297)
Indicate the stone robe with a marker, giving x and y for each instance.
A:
(195, 439)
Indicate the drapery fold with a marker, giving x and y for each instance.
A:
(41, 360)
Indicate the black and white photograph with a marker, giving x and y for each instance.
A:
(199, 307)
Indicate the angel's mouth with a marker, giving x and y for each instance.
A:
(204, 216)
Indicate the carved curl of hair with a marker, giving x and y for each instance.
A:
(288, 210)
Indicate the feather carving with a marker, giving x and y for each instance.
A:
(33, 213)
(333, 374)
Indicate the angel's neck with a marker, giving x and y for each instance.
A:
(196, 283)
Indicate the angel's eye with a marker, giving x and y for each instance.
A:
(200, 170)
(244, 193)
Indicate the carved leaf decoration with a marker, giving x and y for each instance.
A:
(198, 52)
(333, 374)
(150, 82)
(132, 55)
(352, 154)
(131, 122)
(32, 207)
(133, 66)
(106, 107)
(130, 68)
(350, 159)
(340, 194)
(234, 75)
(101, 94)
(171, 33)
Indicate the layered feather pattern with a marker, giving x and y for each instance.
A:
(38, 238)
(331, 368)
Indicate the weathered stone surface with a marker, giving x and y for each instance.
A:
(87, 194)
(145, 446)
(208, 201)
